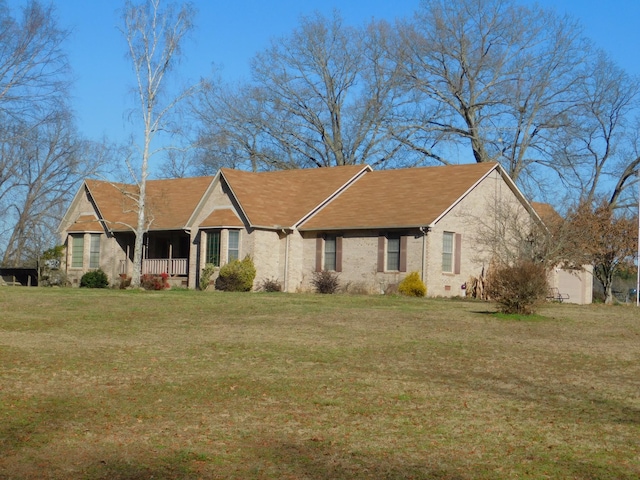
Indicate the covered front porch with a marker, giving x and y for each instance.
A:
(163, 252)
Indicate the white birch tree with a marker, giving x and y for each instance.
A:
(155, 35)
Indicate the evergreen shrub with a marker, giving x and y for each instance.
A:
(237, 276)
(94, 279)
(205, 276)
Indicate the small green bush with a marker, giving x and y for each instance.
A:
(237, 276)
(325, 281)
(205, 276)
(94, 279)
(412, 286)
(518, 288)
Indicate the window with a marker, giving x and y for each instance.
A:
(447, 252)
(233, 250)
(451, 252)
(393, 253)
(77, 250)
(213, 248)
(330, 253)
(94, 251)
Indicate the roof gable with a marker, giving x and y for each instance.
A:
(282, 198)
(170, 203)
(400, 198)
(222, 217)
(86, 223)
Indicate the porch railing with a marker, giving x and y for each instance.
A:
(155, 266)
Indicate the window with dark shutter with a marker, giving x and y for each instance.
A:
(393, 253)
(447, 252)
(330, 253)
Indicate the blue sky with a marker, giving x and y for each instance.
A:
(229, 33)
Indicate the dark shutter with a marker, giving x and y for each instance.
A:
(319, 254)
(403, 254)
(457, 253)
(381, 253)
(338, 254)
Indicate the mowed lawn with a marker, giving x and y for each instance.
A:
(135, 385)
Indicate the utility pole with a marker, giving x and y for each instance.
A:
(638, 255)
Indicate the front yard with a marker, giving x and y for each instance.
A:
(108, 384)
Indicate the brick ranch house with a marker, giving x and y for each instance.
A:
(373, 227)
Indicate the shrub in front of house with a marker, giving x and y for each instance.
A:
(149, 281)
(94, 279)
(325, 282)
(237, 276)
(205, 277)
(54, 278)
(270, 285)
(125, 282)
(412, 286)
(519, 288)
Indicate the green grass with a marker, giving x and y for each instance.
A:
(116, 384)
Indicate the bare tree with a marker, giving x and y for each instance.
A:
(604, 238)
(154, 36)
(595, 152)
(37, 169)
(50, 159)
(231, 134)
(33, 66)
(319, 97)
(490, 77)
(627, 171)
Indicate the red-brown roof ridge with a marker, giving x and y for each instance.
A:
(282, 198)
(400, 198)
(169, 202)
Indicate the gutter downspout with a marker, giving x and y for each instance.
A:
(425, 231)
(285, 281)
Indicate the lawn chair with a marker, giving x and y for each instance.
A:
(554, 295)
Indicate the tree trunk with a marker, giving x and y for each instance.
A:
(608, 295)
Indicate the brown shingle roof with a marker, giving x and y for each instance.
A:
(398, 198)
(549, 216)
(546, 212)
(223, 217)
(378, 199)
(86, 223)
(170, 203)
(282, 198)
